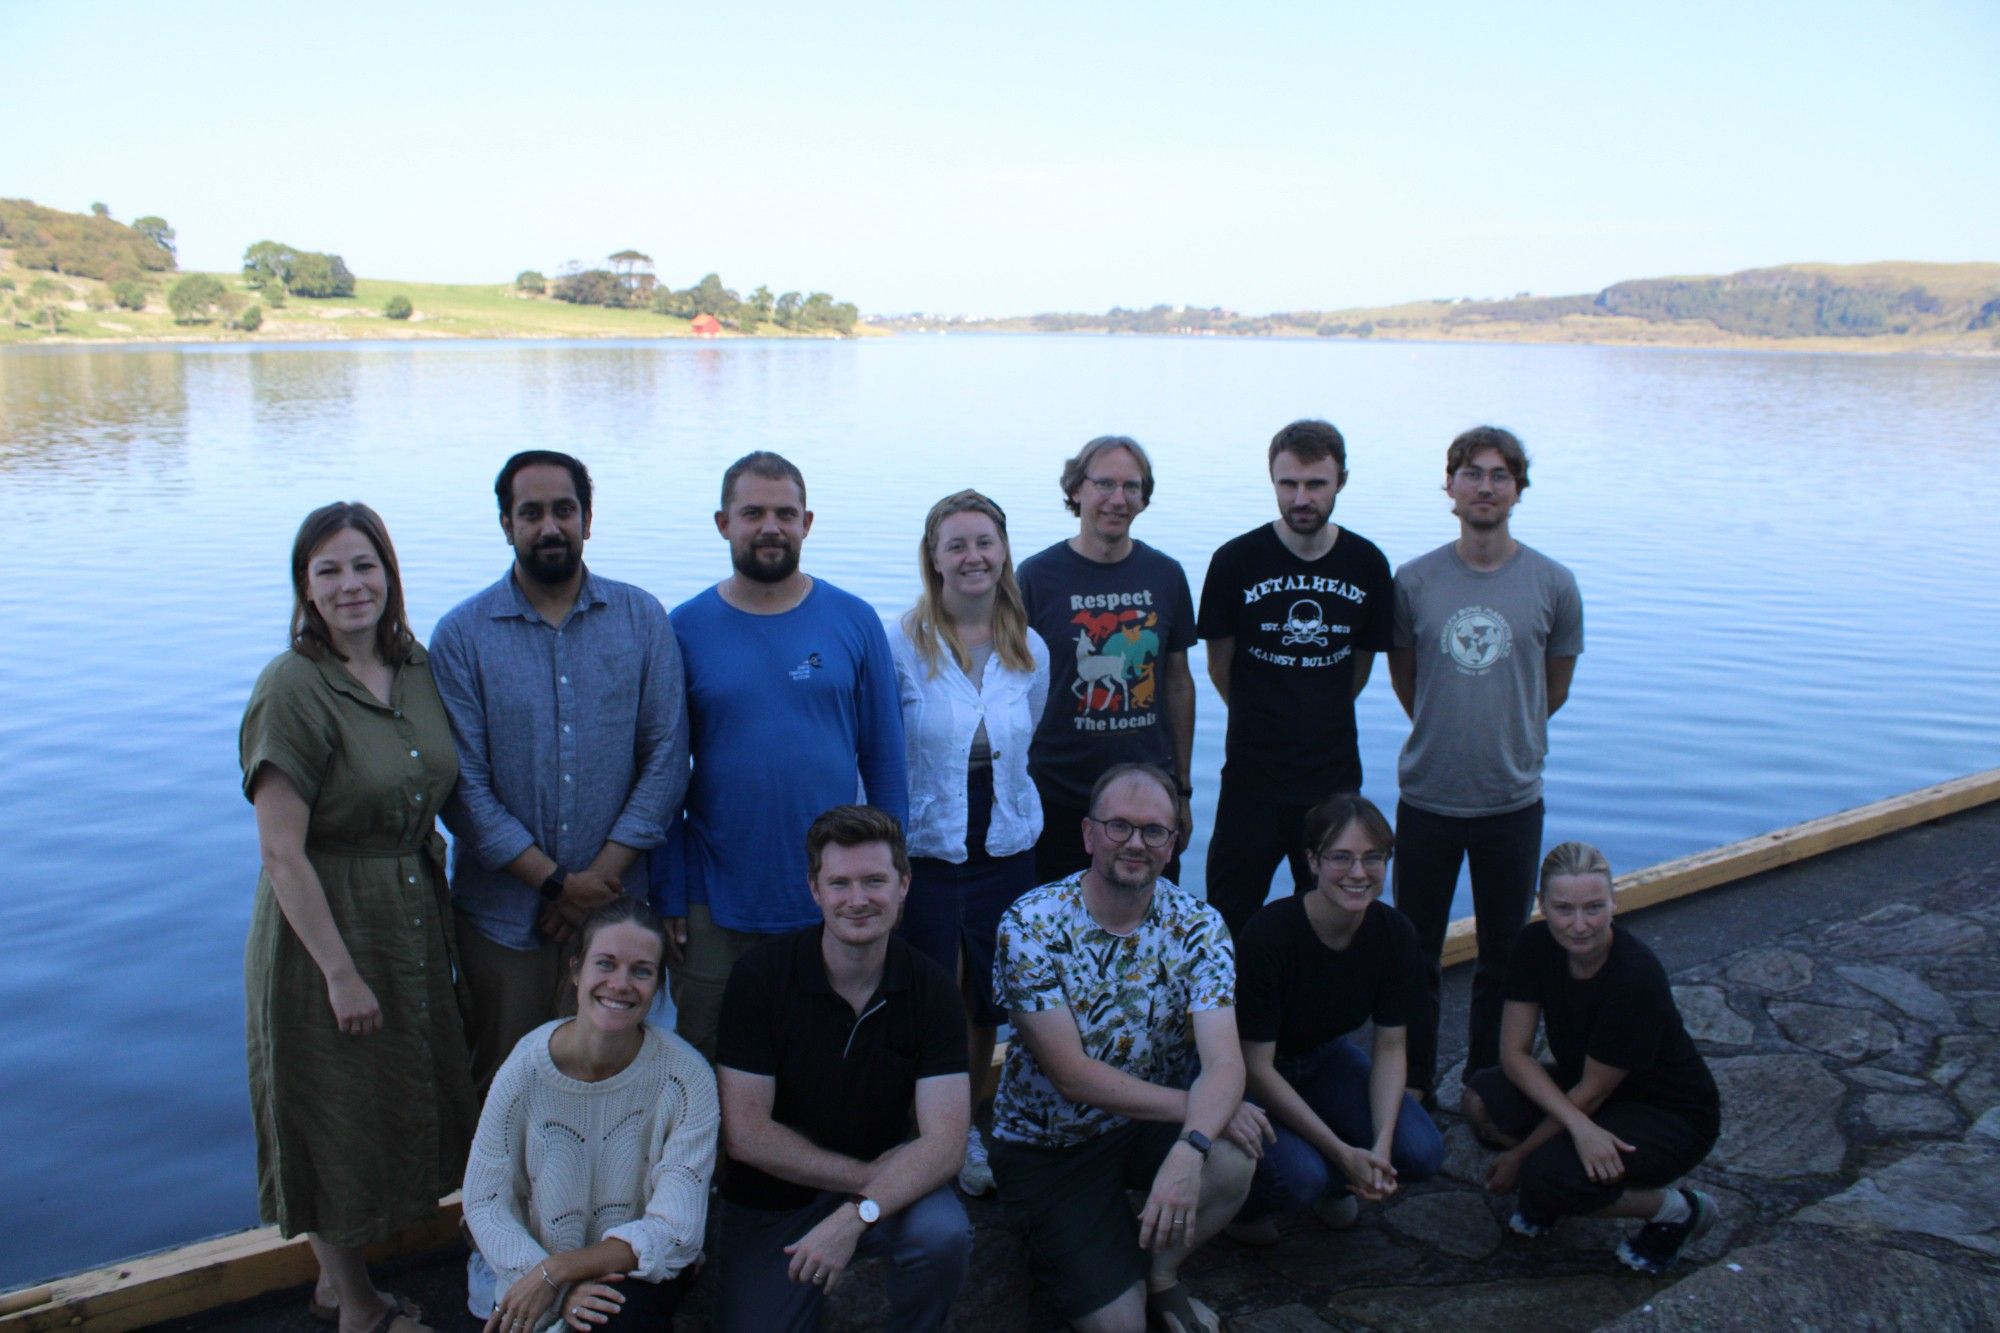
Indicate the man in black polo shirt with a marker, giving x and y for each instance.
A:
(834, 1040)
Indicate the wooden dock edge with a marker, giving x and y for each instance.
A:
(1767, 851)
(229, 1269)
(193, 1278)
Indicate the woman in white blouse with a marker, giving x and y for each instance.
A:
(973, 679)
(587, 1188)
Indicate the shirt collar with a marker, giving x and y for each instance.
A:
(334, 672)
(506, 599)
(809, 965)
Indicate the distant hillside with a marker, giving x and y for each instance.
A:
(1946, 308)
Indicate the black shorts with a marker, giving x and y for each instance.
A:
(1070, 1206)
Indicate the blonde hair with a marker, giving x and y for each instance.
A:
(928, 623)
(1574, 858)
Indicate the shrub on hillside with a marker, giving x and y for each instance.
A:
(193, 297)
(251, 320)
(129, 293)
(78, 244)
(592, 286)
(397, 306)
(531, 282)
(272, 266)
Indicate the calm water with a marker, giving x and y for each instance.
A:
(1788, 612)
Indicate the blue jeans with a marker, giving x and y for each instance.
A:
(1334, 1082)
(928, 1244)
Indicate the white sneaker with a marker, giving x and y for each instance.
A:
(1337, 1213)
(975, 1178)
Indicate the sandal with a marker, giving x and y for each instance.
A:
(1177, 1311)
(330, 1314)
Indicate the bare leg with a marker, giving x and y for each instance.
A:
(1126, 1314)
(1473, 1108)
(1635, 1203)
(1225, 1180)
(343, 1275)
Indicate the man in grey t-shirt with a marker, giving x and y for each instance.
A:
(1486, 640)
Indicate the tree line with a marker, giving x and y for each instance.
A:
(628, 284)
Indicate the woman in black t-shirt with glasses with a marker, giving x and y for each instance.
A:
(1310, 969)
(1626, 1107)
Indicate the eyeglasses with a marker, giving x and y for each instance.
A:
(1121, 830)
(1342, 862)
(1472, 476)
(1111, 486)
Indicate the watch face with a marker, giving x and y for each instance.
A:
(871, 1211)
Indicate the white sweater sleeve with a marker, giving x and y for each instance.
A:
(680, 1161)
(496, 1180)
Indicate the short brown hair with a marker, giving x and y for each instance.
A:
(763, 463)
(1310, 440)
(1489, 437)
(856, 826)
(393, 639)
(1076, 469)
(1330, 818)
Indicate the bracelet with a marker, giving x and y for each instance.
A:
(552, 887)
(546, 1278)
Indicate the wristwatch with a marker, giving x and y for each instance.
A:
(552, 887)
(1198, 1141)
(869, 1210)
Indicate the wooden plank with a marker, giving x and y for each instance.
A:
(236, 1268)
(1768, 851)
(191, 1279)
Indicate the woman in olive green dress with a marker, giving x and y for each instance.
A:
(358, 1069)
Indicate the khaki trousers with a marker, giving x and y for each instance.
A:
(697, 984)
(514, 991)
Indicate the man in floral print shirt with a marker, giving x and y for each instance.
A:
(1126, 1073)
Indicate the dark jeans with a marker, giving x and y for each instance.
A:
(1553, 1183)
(1253, 836)
(649, 1307)
(928, 1244)
(1505, 852)
(1059, 851)
(1334, 1082)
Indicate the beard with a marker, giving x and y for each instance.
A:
(1307, 520)
(553, 562)
(750, 566)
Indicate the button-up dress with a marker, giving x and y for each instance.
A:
(357, 1137)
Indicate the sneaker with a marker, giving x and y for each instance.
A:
(1654, 1247)
(1521, 1226)
(1261, 1233)
(1337, 1211)
(975, 1178)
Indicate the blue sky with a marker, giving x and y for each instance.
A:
(1009, 158)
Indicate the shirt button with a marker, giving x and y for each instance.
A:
(399, 712)
(565, 828)
(418, 798)
(565, 732)
(416, 921)
(565, 777)
(413, 754)
(564, 679)
(413, 879)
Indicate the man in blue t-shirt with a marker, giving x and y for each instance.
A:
(791, 705)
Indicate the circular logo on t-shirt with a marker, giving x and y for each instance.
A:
(1477, 637)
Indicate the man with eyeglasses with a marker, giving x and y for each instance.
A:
(1126, 1072)
(1487, 635)
(1118, 619)
(1294, 612)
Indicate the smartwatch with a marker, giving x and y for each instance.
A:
(1198, 1141)
(552, 887)
(869, 1210)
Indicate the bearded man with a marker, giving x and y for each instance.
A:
(791, 698)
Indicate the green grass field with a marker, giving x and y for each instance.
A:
(440, 311)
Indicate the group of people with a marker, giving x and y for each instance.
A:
(826, 835)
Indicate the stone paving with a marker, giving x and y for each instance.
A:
(1858, 1175)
